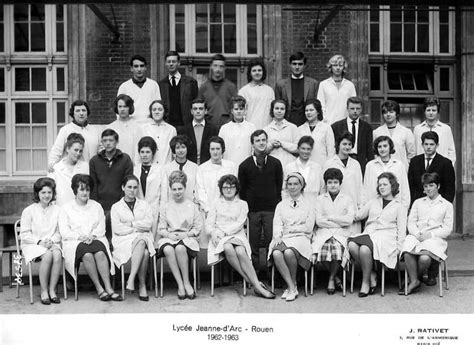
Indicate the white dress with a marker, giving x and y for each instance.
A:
(312, 174)
(433, 216)
(152, 191)
(129, 227)
(324, 144)
(76, 220)
(334, 99)
(190, 169)
(403, 142)
(237, 140)
(142, 97)
(259, 97)
(38, 223)
(162, 134)
(228, 217)
(288, 137)
(63, 177)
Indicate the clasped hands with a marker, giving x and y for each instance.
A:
(87, 239)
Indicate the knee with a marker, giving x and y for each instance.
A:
(228, 248)
(168, 250)
(277, 255)
(88, 257)
(365, 251)
(57, 256)
(289, 254)
(353, 248)
(146, 252)
(424, 260)
(240, 250)
(47, 257)
(99, 256)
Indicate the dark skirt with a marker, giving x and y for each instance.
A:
(302, 261)
(362, 240)
(423, 252)
(191, 253)
(94, 247)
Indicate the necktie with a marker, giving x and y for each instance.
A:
(428, 159)
(198, 130)
(354, 129)
(173, 80)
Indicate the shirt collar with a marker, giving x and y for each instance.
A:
(177, 77)
(196, 123)
(274, 126)
(432, 157)
(349, 121)
(297, 78)
(437, 124)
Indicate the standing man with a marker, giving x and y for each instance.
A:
(108, 169)
(217, 92)
(361, 130)
(261, 180)
(199, 131)
(431, 107)
(143, 90)
(297, 89)
(431, 161)
(178, 91)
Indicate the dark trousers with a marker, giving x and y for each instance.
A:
(259, 222)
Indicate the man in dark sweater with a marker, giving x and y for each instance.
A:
(261, 179)
(108, 169)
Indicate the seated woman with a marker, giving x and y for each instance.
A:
(40, 238)
(293, 225)
(82, 227)
(334, 214)
(70, 165)
(132, 235)
(225, 223)
(429, 223)
(179, 226)
(384, 232)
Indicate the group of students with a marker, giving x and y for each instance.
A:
(146, 188)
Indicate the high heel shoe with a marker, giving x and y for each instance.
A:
(372, 290)
(191, 296)
(330, 291)
(363, 294)
(181, 297)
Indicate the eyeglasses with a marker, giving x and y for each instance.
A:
(229, 187)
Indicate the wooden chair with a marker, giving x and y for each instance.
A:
(30, 274)
(441, 277)
(194, 264)
(312, 278)
(122, 272)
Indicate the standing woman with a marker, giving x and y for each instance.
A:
(179, 228)
(385, 161)
(82, 227)
(132, 221)
(64, 170)
(80, 112)
(40, 238)
(293, 225)
(225, 225)
(350, 167)
(320, 131)
(258, 94)
(282, 135)
(383, 235)
(160, 131)
(429, 223)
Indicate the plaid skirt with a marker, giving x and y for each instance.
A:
(331, 250)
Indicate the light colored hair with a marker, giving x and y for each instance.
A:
(336, 60)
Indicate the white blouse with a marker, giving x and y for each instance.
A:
(259, 97)
(162, 134)
(237, 140)
(63, 177)
(324, 144)
(288, 137)
(403, 142)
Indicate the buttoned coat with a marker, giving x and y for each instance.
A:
(188, 90)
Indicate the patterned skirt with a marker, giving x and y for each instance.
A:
(331, 250)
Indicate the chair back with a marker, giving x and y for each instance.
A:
(17, 228)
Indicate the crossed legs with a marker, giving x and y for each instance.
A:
(139, 265)
(415, 266)
(363, 256)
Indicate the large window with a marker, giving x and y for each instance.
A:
(33, 85)
(199, 31)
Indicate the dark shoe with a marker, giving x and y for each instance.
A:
(129, 292)
(144, 298)
(330, 291)
(116, 297)
(431, 281)
(55, 300)
(363, 294)
(372, 290)
(191, 296)
(181, 297)
(104, 296)
(45, 301)
(338, 286)
(401, 292)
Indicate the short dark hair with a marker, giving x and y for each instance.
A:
(257, 133)
(78, 103)
(81, 179)
(147, 142)
(275, 101)
(317, 105)
(128, 102)
(199, 100)
(306, 139)
(217, 139)
(333, 174)
(40, 184)
(218, 57)
(163, 104)
(177, 176)
(345, 135)
(240, 100)
(172, 53)
(428, 178)
(137, 57)
(230, 179)
(298, 56)
(391, 106)
(432, 101)
(430, 135)
(179, 139)
(395, 187)
(108, 133)
(252, 64)
(378, 140)
(128, 178)
(74, 138)
(354, 100)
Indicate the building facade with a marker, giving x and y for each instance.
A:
(51, 55)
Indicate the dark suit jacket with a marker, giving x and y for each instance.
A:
(208, 132)
(188, 89)
(283, 90)
(440, 165)
(365, 151)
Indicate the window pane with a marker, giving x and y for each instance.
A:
(2, 137)
(229, 13)
(60, 79)
(23, 137)
(61, 112)
(38, 40)
(395, 37)
(39, 137)
(39, 159)
(421, 82)
(230, 39)
(201, 38)
(444, 38)
(38, 76)
(201, 13)
(3, 160)
(395, 14)
(252, 39)
(180, 41)
(2, 80)
(2, 112)
(444, 79)
(216, 38)
(38, 112)
(409, 14)
(375, 78)
(23, 160)
(374, 38)
(409, 38)
(179, 13)
(374, 13)
(423, 14)
(22, 113)
(37, 13)
(445, 112)
(393, 81)
(22, 79)
(215, 15)
(251, 14)
(407, 81)
(443, 14)
(2, 43)
(59, 13)
(423, 38)
(21, 12)
(59, 37)
(21, 37)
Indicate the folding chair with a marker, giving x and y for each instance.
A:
(122, 272)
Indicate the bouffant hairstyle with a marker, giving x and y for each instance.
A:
(179, 139)
(336, 60)
(346, 135)
(333, 174)
(177, 176)
(428, 178)
(129, 178)
(231, 180)
(317, 105)
(40, 184)
(218, 140)
(392, 180)
(147, 142)
(306, 139)
(378, 140)
(79, 103)
(74, 138)
(391, 106)
(252, 64)
(432, 101)
(79, 180)
(163, 104)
